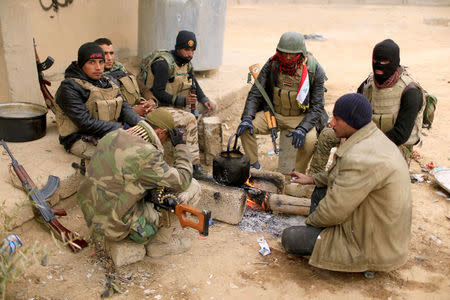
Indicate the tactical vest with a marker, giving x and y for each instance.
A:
(179, 83)
(129, 88)
(103, 104)
(286, 88)
(386, 105)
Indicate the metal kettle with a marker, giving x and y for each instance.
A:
(231, 167)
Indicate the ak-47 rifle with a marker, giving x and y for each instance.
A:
(169, 202)
(193, 90)
(269, 112)
(38, 197)
(42, 66)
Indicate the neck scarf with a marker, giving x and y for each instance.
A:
(288, 66)
(391, 80)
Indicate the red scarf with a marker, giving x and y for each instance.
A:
(288, 66)
(391, 81)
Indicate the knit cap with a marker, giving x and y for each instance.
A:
(161, 118)
(89, 51)
(354, 109)
(186, 39)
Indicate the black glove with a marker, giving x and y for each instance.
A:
(298, 137)
(177, 136)
(245, 124)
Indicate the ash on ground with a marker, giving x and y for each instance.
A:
(261, 221)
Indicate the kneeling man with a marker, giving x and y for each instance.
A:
(127, 165)
(360, 218)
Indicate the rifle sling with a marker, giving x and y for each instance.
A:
(265, 96)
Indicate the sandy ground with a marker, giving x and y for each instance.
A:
(227, 264)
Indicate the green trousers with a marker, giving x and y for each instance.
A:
(304, 153)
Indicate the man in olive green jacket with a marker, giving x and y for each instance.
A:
(363, 222)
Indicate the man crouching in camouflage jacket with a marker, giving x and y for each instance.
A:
(127, 164)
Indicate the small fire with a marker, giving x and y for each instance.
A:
(259, 200)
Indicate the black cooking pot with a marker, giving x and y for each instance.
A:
(22, 122)
(231, 167)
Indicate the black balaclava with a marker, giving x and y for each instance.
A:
(385, 50)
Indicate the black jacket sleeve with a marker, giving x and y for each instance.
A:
(160, 70)
(200, 94)
(255, 100)
(316, 100)
(128, 114)
(71, 97)
(410, 105)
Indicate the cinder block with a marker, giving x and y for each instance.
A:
(212, 132)
(226, 203)
(286, 159)
(125, 252)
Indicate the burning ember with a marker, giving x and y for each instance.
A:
(264, 198)
(257, 199)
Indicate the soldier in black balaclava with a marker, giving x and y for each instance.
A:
(397, 101)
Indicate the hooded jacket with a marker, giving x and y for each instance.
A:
(71, 97)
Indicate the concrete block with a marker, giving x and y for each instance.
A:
(125, 252)
(227, 204)
(286, 159)
(212, 132)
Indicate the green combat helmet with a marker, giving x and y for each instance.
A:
(292, 42)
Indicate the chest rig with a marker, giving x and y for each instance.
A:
(103, 104)
(386, 105)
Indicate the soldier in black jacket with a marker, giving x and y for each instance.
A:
(294, 81)
(89, 105)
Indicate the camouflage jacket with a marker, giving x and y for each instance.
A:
(119, 175)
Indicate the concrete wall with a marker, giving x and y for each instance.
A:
(389, 2)
(58, 34)
(18, 80)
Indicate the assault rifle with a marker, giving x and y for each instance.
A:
(193, 90)
(38, 197)
(169, 202)
(42, 66)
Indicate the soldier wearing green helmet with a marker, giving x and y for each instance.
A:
(294, 81)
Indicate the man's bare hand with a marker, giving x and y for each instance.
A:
(301, 178)
(150, 105)
(144, 107)
(191, 99)
(208, 105)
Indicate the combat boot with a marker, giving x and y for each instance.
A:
(200, 173)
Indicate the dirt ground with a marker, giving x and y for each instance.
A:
(227, 264)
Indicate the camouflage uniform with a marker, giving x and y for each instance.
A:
(326, 141)
(119, 175)
(187, 121)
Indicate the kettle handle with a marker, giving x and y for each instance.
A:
(235, 142)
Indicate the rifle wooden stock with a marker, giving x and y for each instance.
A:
(254, 70)
(203, 218)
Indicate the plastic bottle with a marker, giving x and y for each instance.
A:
(10, 245)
